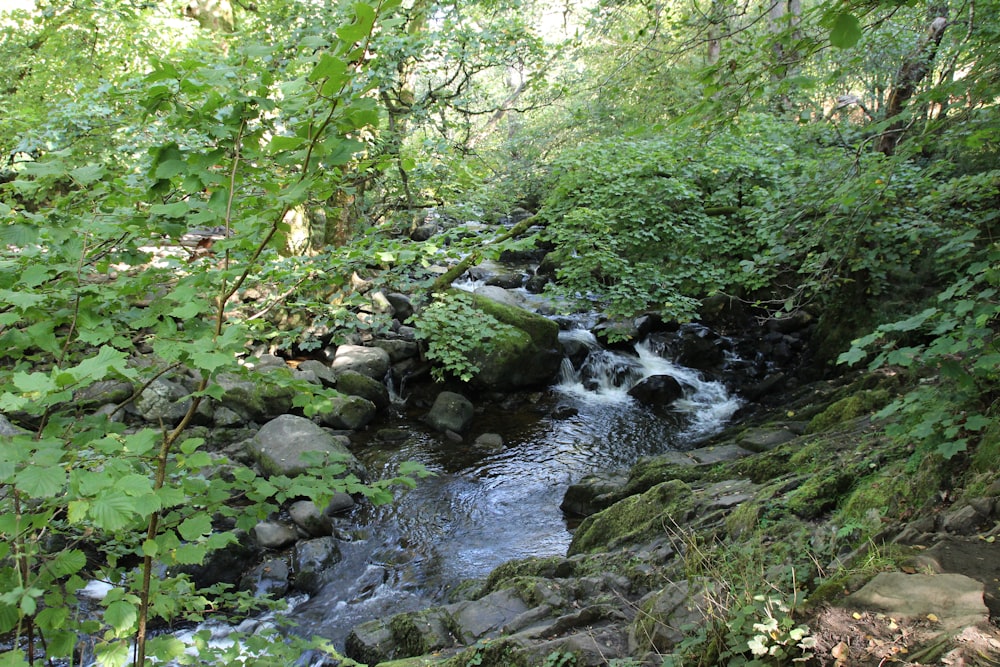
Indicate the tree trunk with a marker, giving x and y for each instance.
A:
(911, 73)
(213, 15)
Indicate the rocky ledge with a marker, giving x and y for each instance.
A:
(809, 538)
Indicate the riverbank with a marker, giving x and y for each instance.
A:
(803, 533)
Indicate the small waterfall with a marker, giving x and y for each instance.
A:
(607, 375)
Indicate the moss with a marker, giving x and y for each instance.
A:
(985, 460)
(543, 332)
(743, 519)
(424, 631)
(820, 493)
(633, 520)
(504, 575)
(498, 653)
(848, 408)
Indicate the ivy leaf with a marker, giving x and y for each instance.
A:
(852, 356)
(846, 31)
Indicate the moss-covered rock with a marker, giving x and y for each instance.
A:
(634, 519)
(525, 354)
(848, 408)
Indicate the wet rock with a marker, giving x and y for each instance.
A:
(594, 493)
(506, 280)
(354, 383)
(402, 307)
(700, 348)
(281, 445)
(659, 390)
(424, 232)
(268, 579)
(339, 503)
(370, 361)
(274, 535)
(347, 412)
(224, 565)
(450, 412)
(312, 563)
(489, 441)
(310, 519)
(564, 412)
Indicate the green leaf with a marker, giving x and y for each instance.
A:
(846, 31)
(34, 382)
(281, 143)
(112, 654)
(190, 554)
(195, 527)
(111, 511)
(12, 658)
(121, 616)
(41, 481)
(88, 174)
(67, 562)
(330, 68)
(99, 366)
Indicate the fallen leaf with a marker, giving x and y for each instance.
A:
(932, 618)
(856, 616)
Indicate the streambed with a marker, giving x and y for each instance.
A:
(484, 507)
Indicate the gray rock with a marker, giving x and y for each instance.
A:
(354, 383)
(501, 295)
(268, 579)
(223, 416)
(370, 361)
(257, 396)
(323, 372)
(964, 520)
(450, 412)
(764, 439)
(401, 305)
(491, 441)
(340, 502)
(6, 428)
(397, 349)
(309, 518)
(279, 446)
(347, 412)
(163, 401)
(274, 535)
(665, 614)
(594, 493)
(957, 600)
(718, 454)
(313, 561)
(487, 616)
(103, 392)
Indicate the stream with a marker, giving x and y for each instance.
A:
(484, 507)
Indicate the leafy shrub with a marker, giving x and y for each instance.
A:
(454, 329)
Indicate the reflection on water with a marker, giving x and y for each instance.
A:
(486, 507)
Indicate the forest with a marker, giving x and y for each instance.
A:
(186, 185)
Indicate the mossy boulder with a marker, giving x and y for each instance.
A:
(851, 407)
(634, 520)
(525, 354)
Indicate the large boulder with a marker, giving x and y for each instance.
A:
(526, 354)
(659, 390)
(280, 446)
(370, 361)
(260, 395)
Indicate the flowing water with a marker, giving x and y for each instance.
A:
(485, 507)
